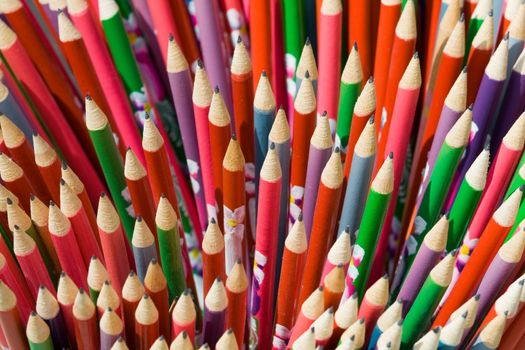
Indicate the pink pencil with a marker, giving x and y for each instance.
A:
(106, 74)
(331, 23)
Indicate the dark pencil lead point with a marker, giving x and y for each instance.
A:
(238, 261)
(17, 227)
(230, 330)
(337, 150)
(218, 279)
(153, 261)
(354, 296)
(107, 283)
(312, 329)
(462, 17)
(362, 320)
(63, 274)
(491, 13)
(163, 195)
(400, 322)
(355, 46)
(416, 55)
(216, 90)
(340, 265)
(347, 229)
(200, 64)
(94, 257)
(234, 137)
(371, 120)
(370, 80)
(307, 74)
(272, 146)
(521, 282)
(263, 73)
(506, 37)
(33, 313)
(9, 201)
(139, 218)
(212, 221)
(324, 114)
(51, 203)
(109, 309)
(35, 134)
(307, 41)
(352, 338)
(62, 182)
(32, 197)
(184, 334)
(170, 37)
(465, 314)
(81, 290)
(436, 330)
(128, 148)
(465, 69)
(161, 337)
(300, 217)
(88, 97)
(239, 39)
(391, 155)
(131, 273)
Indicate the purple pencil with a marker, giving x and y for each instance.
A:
(47, 307)
(181, 91)
(484, 108)
(111, 328)
(213, 49)
(427, 257)
(215, 306)
(513, 102)
(453, 108)
(499, 272)
(319, 153)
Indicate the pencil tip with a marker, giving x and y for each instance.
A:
(216, 90)
(307, 41)
(391, 155)
(212, 221)
(200, 64)
(170, 37)
(272, 146)
(239, 39)
(307, 74)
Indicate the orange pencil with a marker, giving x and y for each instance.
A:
(304, 121)
(156, 287)
(10, 319)
(402, 52)
(360, 31)
(479, 56)
(234, 208)
(139, 189)
(510, 13)
(72, 208)
(237, 292)
(212, 255)
(486, 248)
(220, 132)
(260, 38)
(157, 163)
(11, 275)
(292, 269)
(389, 13)
(334, 286)
(323, 224)
(132, 292)
(48, 165)
(21, 152)
(146, 323)
(85, 321)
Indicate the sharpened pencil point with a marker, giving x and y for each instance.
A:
(170, 37)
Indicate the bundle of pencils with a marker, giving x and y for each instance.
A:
(181, 174)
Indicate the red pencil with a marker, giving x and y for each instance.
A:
(237, 291)
(10, 320)
(310, 310)
(66, 293)
(146, 323)
(15, 180)
(157, 288)
(183, 316)
(48, 165)
(132, 292)
(85, 319)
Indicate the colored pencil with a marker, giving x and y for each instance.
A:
(10, 320)
(470, 308)
(182, 341)
(350, 87)
(452, 332)
(85, 318)
(465, 284)
(227, 341)
(476, 20)
(318, 155)
(359, 178)
(344, 317)
(30, 261)
(360, 32)
(363, 110)
(339, 254)
(120, 344)
(366, 243)
(388, 318)
(262, 292)
(48, 165)
(389, 13)
(329, 194)
(213, 255)
(143, 245)
(113, 242)
(323, 326)
(309, 311)
(15, 180)
(183, 317)
(156, 287)
(294, 255)
(47, 307)
(355, 333)
(303, 127)
(66, 294)
(260, 40)
(38, 334)
(429, 341)
(438, 185)
(373, 304)
(237, 292)
(491, 335)
(111, 328)
(170, 248)
(391, 338)
(110, 160)
(308, 64)
(215, 307)
(427, 300)
(108, 298)
(139, 189)
(146, 323)
(66, 246)
(132, 292)
(479, 56)
(97, 275)
(181, 88)
(329, 54)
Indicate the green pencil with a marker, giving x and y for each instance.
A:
(370, 228)
(434, 194)
(518, 179)
(293, 37)
(467, 199)
(111, 163)
(476, 20)
(169, 248)
(351, 82)
(427, 301)
(38, 333)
